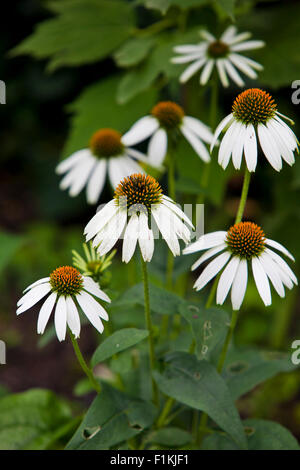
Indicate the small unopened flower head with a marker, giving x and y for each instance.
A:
(169, 114)
(254, 106)
(106, 143)
(138, 190)
(245, 240)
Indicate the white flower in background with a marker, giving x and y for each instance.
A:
(243, 245)
(107, 154)
(255, 119)
(68, 289)
(221, 53)
(140, 198)
(167, 117)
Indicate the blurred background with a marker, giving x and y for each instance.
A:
(40, 225)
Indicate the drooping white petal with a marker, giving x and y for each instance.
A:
(91, 311)
(269, 148)
(166, 229)
(140, 131)
(261, 281)
(250, 148)
(83, 171)
(109, 236)
(73, 319)
(238, 146)
(220, 63)
(176, 208)
(247, 45)
(212, 269)
(233, 73)
(70, 162)
(279, 247)
(272, 273)
(242, 65)
(73, 175)
(220, 127)
(252, 63)
(283, 265)
(93, 288)
(96, 182)
(146, 240)
(192, 69)
(227, 145)
(198, 128)
(226, 279)
(285, 132)
(209, 240)
(206, 72)
(32, 297)
(239, 285)
(60, 318)
(283, 146)
(36, 283)
(176, 224)
(157, 148)
(208, 254)
(100, 219)
(45, 312)
(196, 143)
(130, 238)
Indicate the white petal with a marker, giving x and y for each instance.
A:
(88, 309)
(229, 33)
(140, 131)
(261, 281)
(250, 148)
(279, 247)
(207, 36)
(252, 63)
(242, 65)
(219, 129)
(212, 269)
(100, 219)
(116, 170)
(177, 209)
(239, 285)
(192, 69)
(130, 238)
(198, 128)
(167, 230)
(237, 151)
(233, 73)
(74, 159)
(208, 254)
(283, 265)
(209, 240)
(227, 145)
(158, 147)
(136, 155)
(283, 146)
(96, 182)
(73, 319)
(146, 240)
(93, 288)
(60, 318)
(196, 143)
(285, 132)
(45, 313)
(239, 38)
(189, 48)
(222, 72)
(245, 46)
(36, 283)
(83, 172)
(32, 297)
(226, 279)
(269, 147)
(206, 72)
(111, 233)
(272, 273)
(183, 59)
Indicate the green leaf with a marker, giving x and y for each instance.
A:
(209, 326)
(226, 7)
(96, 107)
(281, 34)
(161, 300)
(164, 5)
(83, 31)
(118, 341)
(9, 244)
(198, 385)
(171, 436)
(32, 420)
(246, 368)
(261, 435)
(112, 418)
(133, 51)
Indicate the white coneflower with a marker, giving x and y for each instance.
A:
(244, 244)
(166, 117)
(141, 198)
(67, 289)
(107, 154)
(254, 119)
(221, 53)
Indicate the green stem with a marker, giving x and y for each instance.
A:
(228, 338)
(150, 329)
(244, 195)
(165, 411)
(95, 384)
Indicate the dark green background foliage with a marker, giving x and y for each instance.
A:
(71, 67)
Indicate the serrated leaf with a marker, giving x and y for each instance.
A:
(246, 368)
(32, 419)
(118, 341)
(112, 418)
(96, 107)
(261, 435)
(198, 385)
(83, 31)
(209, 326)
